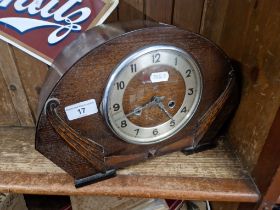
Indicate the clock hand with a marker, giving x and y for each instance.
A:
(161, 106)
(137, 111)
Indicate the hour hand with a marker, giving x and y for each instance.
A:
(138, 110)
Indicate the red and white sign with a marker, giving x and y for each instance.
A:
(43, 28)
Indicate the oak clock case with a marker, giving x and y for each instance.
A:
(156, 88)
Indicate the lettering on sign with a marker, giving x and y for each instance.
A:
(47, 26)
(68, 22)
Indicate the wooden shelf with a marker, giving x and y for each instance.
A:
(215, 175)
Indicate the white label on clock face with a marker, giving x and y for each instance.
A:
(159, 77)
(81, 109)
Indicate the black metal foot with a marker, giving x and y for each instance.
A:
(95, 178)
(198, 148)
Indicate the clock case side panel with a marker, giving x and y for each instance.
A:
(218, 126)
(225, 115)
(84, 44)
(215, 68)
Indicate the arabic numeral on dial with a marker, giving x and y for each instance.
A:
(188, 73)
(172, 123)
(116, 107)
(184, 110)
(156, 58)
(176, 61)
(133, 68)
(190, 91)
(81, 110)
(137, 131)
(155, 132)
(123, 124)
(120, 85)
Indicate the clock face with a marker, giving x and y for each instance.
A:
(152, 94)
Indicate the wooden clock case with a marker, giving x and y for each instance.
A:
(86, 148)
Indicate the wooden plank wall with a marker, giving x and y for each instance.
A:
(251, 36)
(248, 30)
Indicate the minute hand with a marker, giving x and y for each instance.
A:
(161, 106)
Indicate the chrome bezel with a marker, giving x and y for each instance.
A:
(114, 75)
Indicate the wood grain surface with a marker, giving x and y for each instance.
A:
(255, 45)
(267, 171)
(249, 35)
(32, 73)
(187, 14)
(231, 24)
(213, 19)
(164, 10)
(131, 10)
(113, 17)
(76, 86)
(116, 203)
(212, 175)
(7, 110)
(13, 82)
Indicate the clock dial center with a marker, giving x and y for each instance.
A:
(142, 92)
